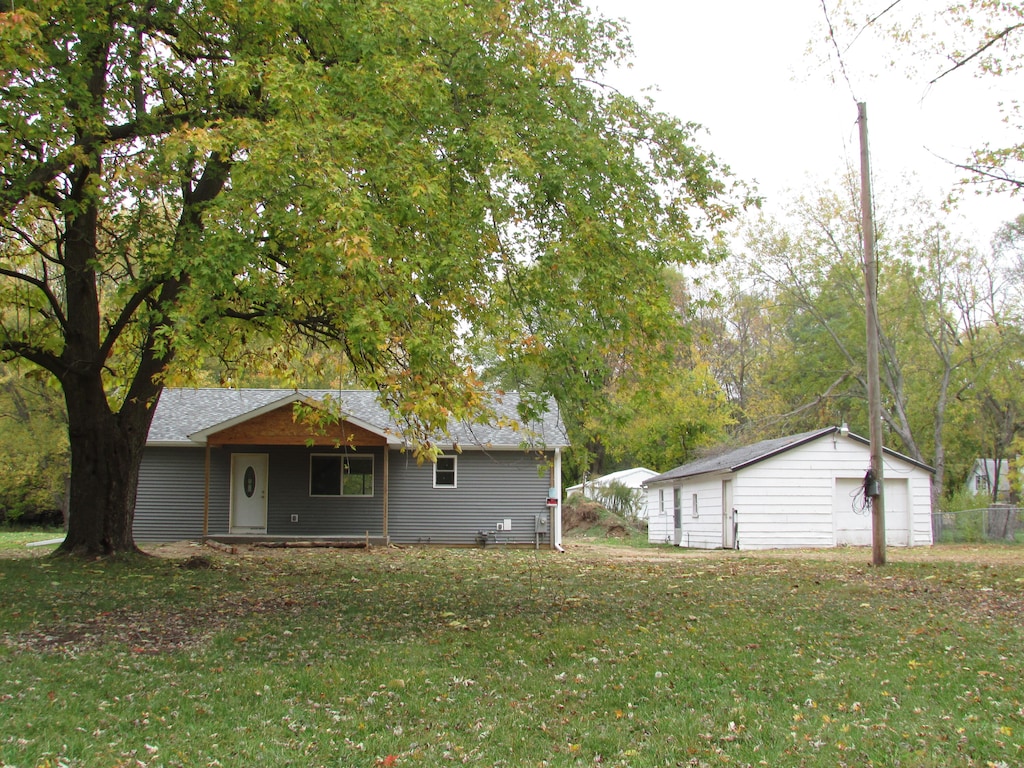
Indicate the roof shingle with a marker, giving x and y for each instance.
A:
(183, 412)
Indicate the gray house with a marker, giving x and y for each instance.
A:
(237, 464)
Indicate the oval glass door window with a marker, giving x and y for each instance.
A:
(249, 481)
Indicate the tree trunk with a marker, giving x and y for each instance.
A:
(106, 452)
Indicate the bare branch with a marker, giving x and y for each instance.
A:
(977, 53)
(995, 175)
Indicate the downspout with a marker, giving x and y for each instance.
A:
(556, 521)
(206, 495)
(387, 454)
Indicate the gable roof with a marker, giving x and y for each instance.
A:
(738, 458)
(987, 468)
(185, 417)
(622, 475)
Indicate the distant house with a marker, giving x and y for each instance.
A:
(983, 477)
(633, 479)
(804, 490)
(227, 463)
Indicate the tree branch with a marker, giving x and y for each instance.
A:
(963, 62)
(33, 354)
(42, 287)
(116, 328)
(1000, 176)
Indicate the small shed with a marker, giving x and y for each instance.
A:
(805, 490)
(633, 478)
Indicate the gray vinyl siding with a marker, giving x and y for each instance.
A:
(492, 487)
(169, 501)
(288, 494)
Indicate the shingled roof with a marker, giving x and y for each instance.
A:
(738, 458)
(184, 416)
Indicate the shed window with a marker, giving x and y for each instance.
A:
(445, 472)
(334, 475)
(695, 511)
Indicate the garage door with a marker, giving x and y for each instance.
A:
(852, 517)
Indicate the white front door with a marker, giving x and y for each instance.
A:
(249, 492)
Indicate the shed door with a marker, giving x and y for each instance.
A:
(249, 492)
(677, 516)
(728, 517)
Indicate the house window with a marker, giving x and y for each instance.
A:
(334, 475)
(444, 472)
(661, 501)
(694, 505)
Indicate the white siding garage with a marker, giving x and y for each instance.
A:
(800, 491)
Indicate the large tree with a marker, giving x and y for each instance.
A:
(180, 179)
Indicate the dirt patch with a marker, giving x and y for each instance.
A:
(581, 515)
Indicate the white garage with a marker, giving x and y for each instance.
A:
(804, 490)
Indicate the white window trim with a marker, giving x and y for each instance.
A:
(341, 457)
(455, 472)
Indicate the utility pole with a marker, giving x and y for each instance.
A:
(873, 485)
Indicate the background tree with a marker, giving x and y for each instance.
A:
(734, 332)
(33, 450)
(989, 398)
(805, 267)
(181, 180)
(647, 399)
(806, 270)
(664, 426)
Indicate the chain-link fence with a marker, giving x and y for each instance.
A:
(998, 523)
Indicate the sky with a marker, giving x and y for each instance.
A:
(786, 117)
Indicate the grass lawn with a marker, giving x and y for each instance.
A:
(427, 657)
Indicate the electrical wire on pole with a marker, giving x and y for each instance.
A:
(874, 489)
